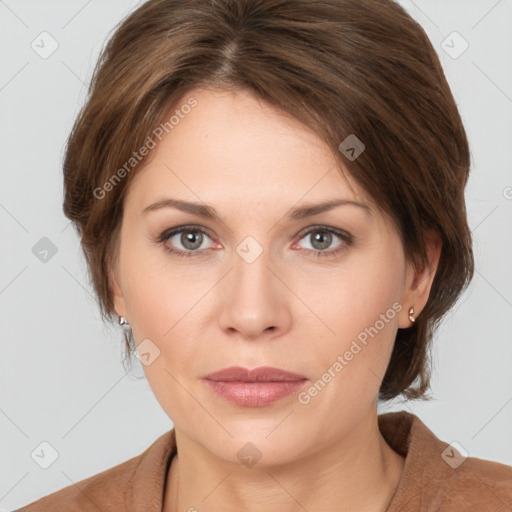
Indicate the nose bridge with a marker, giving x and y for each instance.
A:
(251, 267)
(254, 299)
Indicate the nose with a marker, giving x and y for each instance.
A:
(254, 301)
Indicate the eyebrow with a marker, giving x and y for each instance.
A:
(208, 212)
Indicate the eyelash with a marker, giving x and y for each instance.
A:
(345, 236)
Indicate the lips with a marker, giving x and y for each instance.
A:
(261, 374)
(258, 387)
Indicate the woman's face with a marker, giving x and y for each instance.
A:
(321, 296)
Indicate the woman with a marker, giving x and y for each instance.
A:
(270, 196)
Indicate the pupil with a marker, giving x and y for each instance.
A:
(321, 235)
(188, 240)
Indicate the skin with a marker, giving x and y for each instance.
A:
(287, 309)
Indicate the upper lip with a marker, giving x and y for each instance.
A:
(261, 374)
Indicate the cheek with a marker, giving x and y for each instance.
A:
(353, 298)
(361, 306)
(163, 306)
(155, 291)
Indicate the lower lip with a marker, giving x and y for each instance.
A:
(255, 394)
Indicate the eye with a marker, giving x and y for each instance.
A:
(191, 238)
(323, 238)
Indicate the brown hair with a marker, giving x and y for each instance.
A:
(341, 67)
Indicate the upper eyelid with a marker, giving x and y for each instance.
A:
(320, 227)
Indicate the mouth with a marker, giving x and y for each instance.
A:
(254, 388)
(261, 374)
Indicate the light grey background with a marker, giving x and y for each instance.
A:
(61, 375)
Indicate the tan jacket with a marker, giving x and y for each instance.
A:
(436, 478)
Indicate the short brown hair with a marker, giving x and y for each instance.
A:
(341, 67)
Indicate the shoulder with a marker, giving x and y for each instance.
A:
(110, 484)
(138, 480)
(476, 482)
(440, 476)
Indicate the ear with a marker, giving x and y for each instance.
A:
(419, 281)
(117, 293)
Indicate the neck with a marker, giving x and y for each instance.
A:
(360, 472)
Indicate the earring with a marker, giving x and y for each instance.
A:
(122, 321)
(411, 315)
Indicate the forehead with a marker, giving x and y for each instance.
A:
(233, 145)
